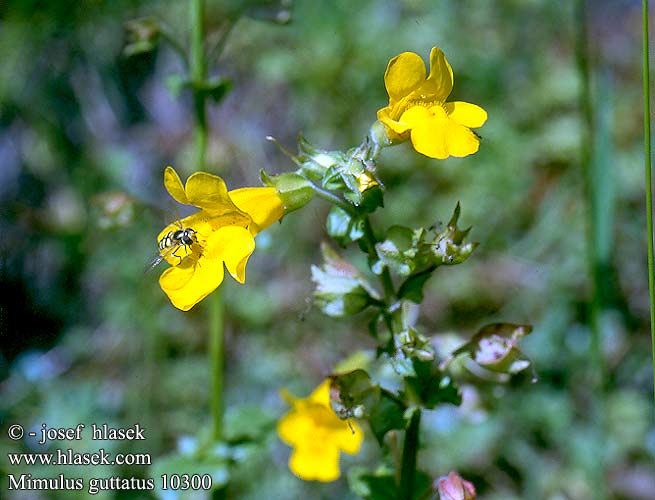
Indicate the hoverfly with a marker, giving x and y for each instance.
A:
(171, 242)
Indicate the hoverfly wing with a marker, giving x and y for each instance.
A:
(154, 263)
(158, 258)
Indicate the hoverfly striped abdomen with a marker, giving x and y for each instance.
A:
(173, 241)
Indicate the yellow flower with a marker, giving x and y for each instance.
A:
(222, 234)
(365, 181)
(418, 108)
(317, 436)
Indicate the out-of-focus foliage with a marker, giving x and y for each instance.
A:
(85, 133)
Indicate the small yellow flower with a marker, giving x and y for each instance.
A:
(365, 181)
(317, 436)
(418, 109)
(224, 231)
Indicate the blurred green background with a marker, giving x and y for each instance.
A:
(85, 133)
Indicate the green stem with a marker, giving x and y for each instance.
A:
(216, 319)
(649, 186)
(592, 199)
(334, 200)
(369, 238)
(410, 449)
(586, 154)
(198, 77)
(216, 341)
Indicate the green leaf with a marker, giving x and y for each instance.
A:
(386, 415)
(397, 251)
(353, 394)
(343, 227)
(319, 164)
(429, 388)
(412, 287)
(380, 485)
(340, 288)
(447, 247)
(176, 83)
(372, 198)
(411, 345)
(216, 88)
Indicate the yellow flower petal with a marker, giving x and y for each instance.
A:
(319, 462)
(439, 84)
(428, 132)
(174, 187)
(435, 135)
(232, 245)
(404, 73)
(460, 140)
(317, 435)
(209, 192)
(191, 281)
(295, 427)
(395, 130)
(467, 114)
(417, 108)
(262, 204)
(350, 438)
(321, 395)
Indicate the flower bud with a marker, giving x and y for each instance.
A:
(495, 347)
(315, 163)
(378, 135)
(293, 189)
(453, 487)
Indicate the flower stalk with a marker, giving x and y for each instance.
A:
(198, 76)
(410, 450)
(649, 186)
(216, 363)
(216, 320)
(593, 199)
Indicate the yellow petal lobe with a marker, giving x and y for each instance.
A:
(209, 191)
(404, 73)
(262, 204)
(231, 245)
(173, 185)
(460, 140)
(317, 435)
(467, 114)
(439, 83)
(191, 281)
(315, 462)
